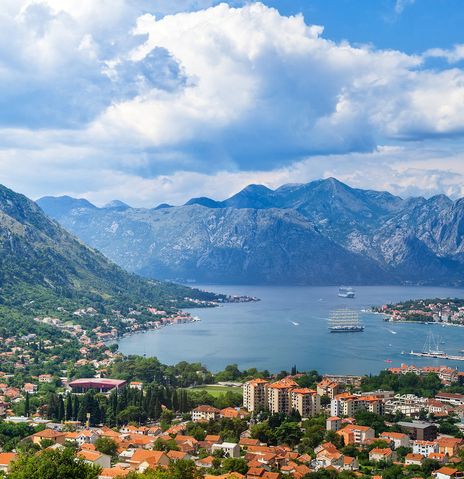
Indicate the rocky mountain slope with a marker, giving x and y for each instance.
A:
(323, 232)
(40, 261)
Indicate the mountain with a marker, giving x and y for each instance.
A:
(322, 232)
(40, 261)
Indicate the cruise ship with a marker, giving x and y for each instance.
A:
(345, 321)
(344, 292)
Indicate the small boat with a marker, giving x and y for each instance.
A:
(388, 361)
(295, 323)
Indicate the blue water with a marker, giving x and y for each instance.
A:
(289, 326)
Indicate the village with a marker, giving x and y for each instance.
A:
(449, 311)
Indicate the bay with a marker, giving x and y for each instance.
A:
(289, 327)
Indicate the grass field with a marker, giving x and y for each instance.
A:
(217, 390)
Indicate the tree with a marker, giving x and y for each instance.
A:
(235, 464)
(27, 405)
(52, 464)
(106, 445)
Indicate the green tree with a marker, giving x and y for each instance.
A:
(235, 464)
(52, 464)
(106, 445)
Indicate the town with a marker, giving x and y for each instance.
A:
(447, 311)
(132, 417)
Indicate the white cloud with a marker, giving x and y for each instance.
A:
(132, 99)
(400, 5)
(453, 55)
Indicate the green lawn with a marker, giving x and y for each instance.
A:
(217, 390)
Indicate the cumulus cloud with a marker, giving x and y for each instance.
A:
(453, 55)
(139, 98)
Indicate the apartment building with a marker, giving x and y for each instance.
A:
(255, 395)
(347, 404)
(306, 401)
(280, 397)
(353, 434)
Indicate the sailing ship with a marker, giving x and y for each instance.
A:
(345, 292)
(345, 321)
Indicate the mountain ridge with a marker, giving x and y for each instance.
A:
(322, 232)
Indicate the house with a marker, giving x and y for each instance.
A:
(450, 398)
(49, 435)
(424, 447)
(136, 385)
(449, 445)
(381, 454)
(154, 461)
(447, 473)
(230, 449)
(327, 455)
(86, 436)
(6, 458)
(205, 413)
(353, 434)
(45, 378)
(398, 439)
(206, 462)
(96, 458)
(30, 388)
(412, 459)
(141, 456)
(113, 472)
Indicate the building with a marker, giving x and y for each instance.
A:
(450, 398)
(412, 459)
(381, 454)
(407, 404)
(424, 447)
(101, 385)
(49, 435)
(6, 458)
(229, 449)
(205, 413)
(95, 458)
(327, 387)
(254, 395)
(306, 401)
(347, 404)
(447, 473)
(398, 439)
(421, 430)
(333, 423)
(353, 434)
(280, 397)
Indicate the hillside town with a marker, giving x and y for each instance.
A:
(290, 425)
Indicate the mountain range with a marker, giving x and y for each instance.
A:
(41, 262)
(322, 232)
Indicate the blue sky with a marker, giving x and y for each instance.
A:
(151, 101)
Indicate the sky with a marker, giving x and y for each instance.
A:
(151, 101)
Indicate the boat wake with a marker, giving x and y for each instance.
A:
(295, 323)
(391, 331)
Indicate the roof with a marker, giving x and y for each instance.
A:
(48, 434)
(6, 458)
(448, 471)
(97, 382)
(89, 455)
(206, 408)
(414, 457)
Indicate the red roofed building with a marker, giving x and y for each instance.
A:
(101, 385)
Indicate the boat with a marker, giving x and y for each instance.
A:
(345, 321)
(344, 292)
(431, 350)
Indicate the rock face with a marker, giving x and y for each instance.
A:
(323, 232)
